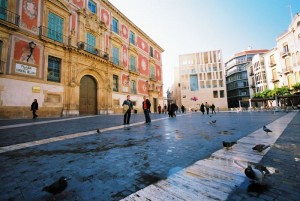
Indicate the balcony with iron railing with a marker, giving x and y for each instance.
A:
(9, 18)
(285, 54)
(152, 77)
(92, 50)
(54, 36)
(133, 69)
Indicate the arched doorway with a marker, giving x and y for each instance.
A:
(88, 95)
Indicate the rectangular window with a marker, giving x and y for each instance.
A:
(132, 63)
(215, 94)
(91, 43)
(3, 8)
(115, 83)
(221, 93)
(55, 27)
(133, 87)
(194, 82)
(92, 6)
(152, 72)
(285, 48)
(132, 38)
(115, 26)
(151, 51)
(115, 54)
(53, 69)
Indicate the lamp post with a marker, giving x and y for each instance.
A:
(31, 46)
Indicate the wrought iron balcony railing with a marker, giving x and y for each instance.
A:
(9, 16)
(91, 49)
(53, 35)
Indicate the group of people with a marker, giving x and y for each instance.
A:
(128, 107)
(206, 107)
(146, 105)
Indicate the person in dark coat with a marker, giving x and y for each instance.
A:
(159, 109)
(165, 109)
(34, 108)
(173, 110)
(128, 106)
(213, 108)
(182, 109)
(146, 107)
(202, 108)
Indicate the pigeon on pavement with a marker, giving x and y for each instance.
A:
(260, 147)
(228, 145)
(266, 129)
(57, 187)
(213, 122)
(257, 173)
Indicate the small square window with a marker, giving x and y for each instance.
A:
(221, 93)
(215, 94)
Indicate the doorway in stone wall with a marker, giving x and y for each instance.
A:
(88, 96)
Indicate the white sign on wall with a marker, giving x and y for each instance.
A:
(24, 69)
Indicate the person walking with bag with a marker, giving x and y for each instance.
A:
(127, 107)
(146, 107)
(34, 108)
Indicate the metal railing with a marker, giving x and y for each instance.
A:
(9, 16)
(53, 35)
(91, 49)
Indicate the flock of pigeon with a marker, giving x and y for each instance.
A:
(258, 172)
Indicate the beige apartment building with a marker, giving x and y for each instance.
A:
(200, 78)
(76, 57)
(283, 62)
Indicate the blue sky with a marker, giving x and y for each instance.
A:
(189, 26)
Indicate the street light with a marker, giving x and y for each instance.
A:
(31, 46)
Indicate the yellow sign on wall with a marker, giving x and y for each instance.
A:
(36, 89)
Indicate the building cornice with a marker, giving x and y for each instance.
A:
(113, 8)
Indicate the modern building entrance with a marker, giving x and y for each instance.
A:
(88, 96)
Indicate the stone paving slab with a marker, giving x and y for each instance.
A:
(214, 183)
(111, 165)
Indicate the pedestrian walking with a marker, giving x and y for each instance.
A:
(202, 108)
(127, 107)
(213, 108)
(182, 108)
(207, 108)
(146, 107)
(159, 109)
(34, 108)
(173, 109)
(165, 109)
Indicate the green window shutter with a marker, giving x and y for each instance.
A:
(55, 27)
(91, 43)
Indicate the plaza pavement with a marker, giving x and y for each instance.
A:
(217, 175)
